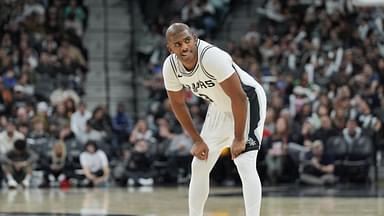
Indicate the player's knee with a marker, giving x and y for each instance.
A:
(246, 162)
(199, 166)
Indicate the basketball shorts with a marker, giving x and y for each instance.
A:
(218, 129)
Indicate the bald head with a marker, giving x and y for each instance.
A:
(182, 42)
(176, 28)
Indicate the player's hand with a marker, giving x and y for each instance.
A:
(238, 146)
(200, 150)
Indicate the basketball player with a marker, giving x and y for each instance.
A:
(234, 119)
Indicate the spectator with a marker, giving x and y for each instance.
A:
(318, 167)
(325, 131)
(179, 157)
(352, 132)
(17, 165)
(94, 163)
(89, 133)
(141, 132)
(79, 119)
(20, 98)
(139, 165)
(100, 121)
(122, 124)
(59, 118)
(8, 137)
(57, 168)
(279, 162)
(5, 99)
(75, 10)
(39, 139)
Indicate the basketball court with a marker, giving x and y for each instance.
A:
(172, 201)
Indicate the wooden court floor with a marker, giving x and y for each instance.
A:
(172, 201)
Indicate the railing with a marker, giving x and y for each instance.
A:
(106, 55)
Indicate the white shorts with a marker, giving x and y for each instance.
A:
(218, 129)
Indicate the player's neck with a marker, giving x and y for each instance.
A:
(190, 65)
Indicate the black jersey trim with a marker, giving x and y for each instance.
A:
(201, 62)
(189, 74)
(173, 66)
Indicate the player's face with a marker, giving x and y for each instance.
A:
(183, 44)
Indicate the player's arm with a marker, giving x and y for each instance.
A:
(179, 107)
(220, 65)
(177, 100)
(232, 88)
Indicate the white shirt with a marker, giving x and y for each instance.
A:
(6, 142)
(94, 162)
(213, 67)
(78, 121)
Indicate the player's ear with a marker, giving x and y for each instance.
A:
(194, 37)
(169, 49)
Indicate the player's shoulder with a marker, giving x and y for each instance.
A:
(169, 62)
(168, 59)
(169, 67)
(209, 52)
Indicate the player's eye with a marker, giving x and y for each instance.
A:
(177, 44)
(187, 40)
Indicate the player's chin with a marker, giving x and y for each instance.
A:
(184, 57)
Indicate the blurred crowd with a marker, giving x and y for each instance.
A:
(43, 66)
(321, 63)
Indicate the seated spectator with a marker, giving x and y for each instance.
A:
(20, 98)
(279, 162)
(39, 139)
(58, 118)
(100, 121)
(22, 116)
(8, 137)
(325, 131)
(57, 167)
(94, 163)
(122, 123)
(139, 165)
(79, 119)
(90, 134)
(76, 10)
(17, 165)
(179, 156)
(352, 132)
(318, 167)
(5, 99)
(41, 114)
(141, 131)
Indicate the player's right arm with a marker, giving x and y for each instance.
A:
(180, 109)
(177, 101)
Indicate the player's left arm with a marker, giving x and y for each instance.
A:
(232, 88)
(220, 65)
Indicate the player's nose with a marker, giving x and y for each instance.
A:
(184, 47)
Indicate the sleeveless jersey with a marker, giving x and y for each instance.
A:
(213, 67)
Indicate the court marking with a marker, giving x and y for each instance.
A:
(60, 214)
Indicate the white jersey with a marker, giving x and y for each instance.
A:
(213, 67)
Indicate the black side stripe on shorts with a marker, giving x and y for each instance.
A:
(201, 62)
(254, 116)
